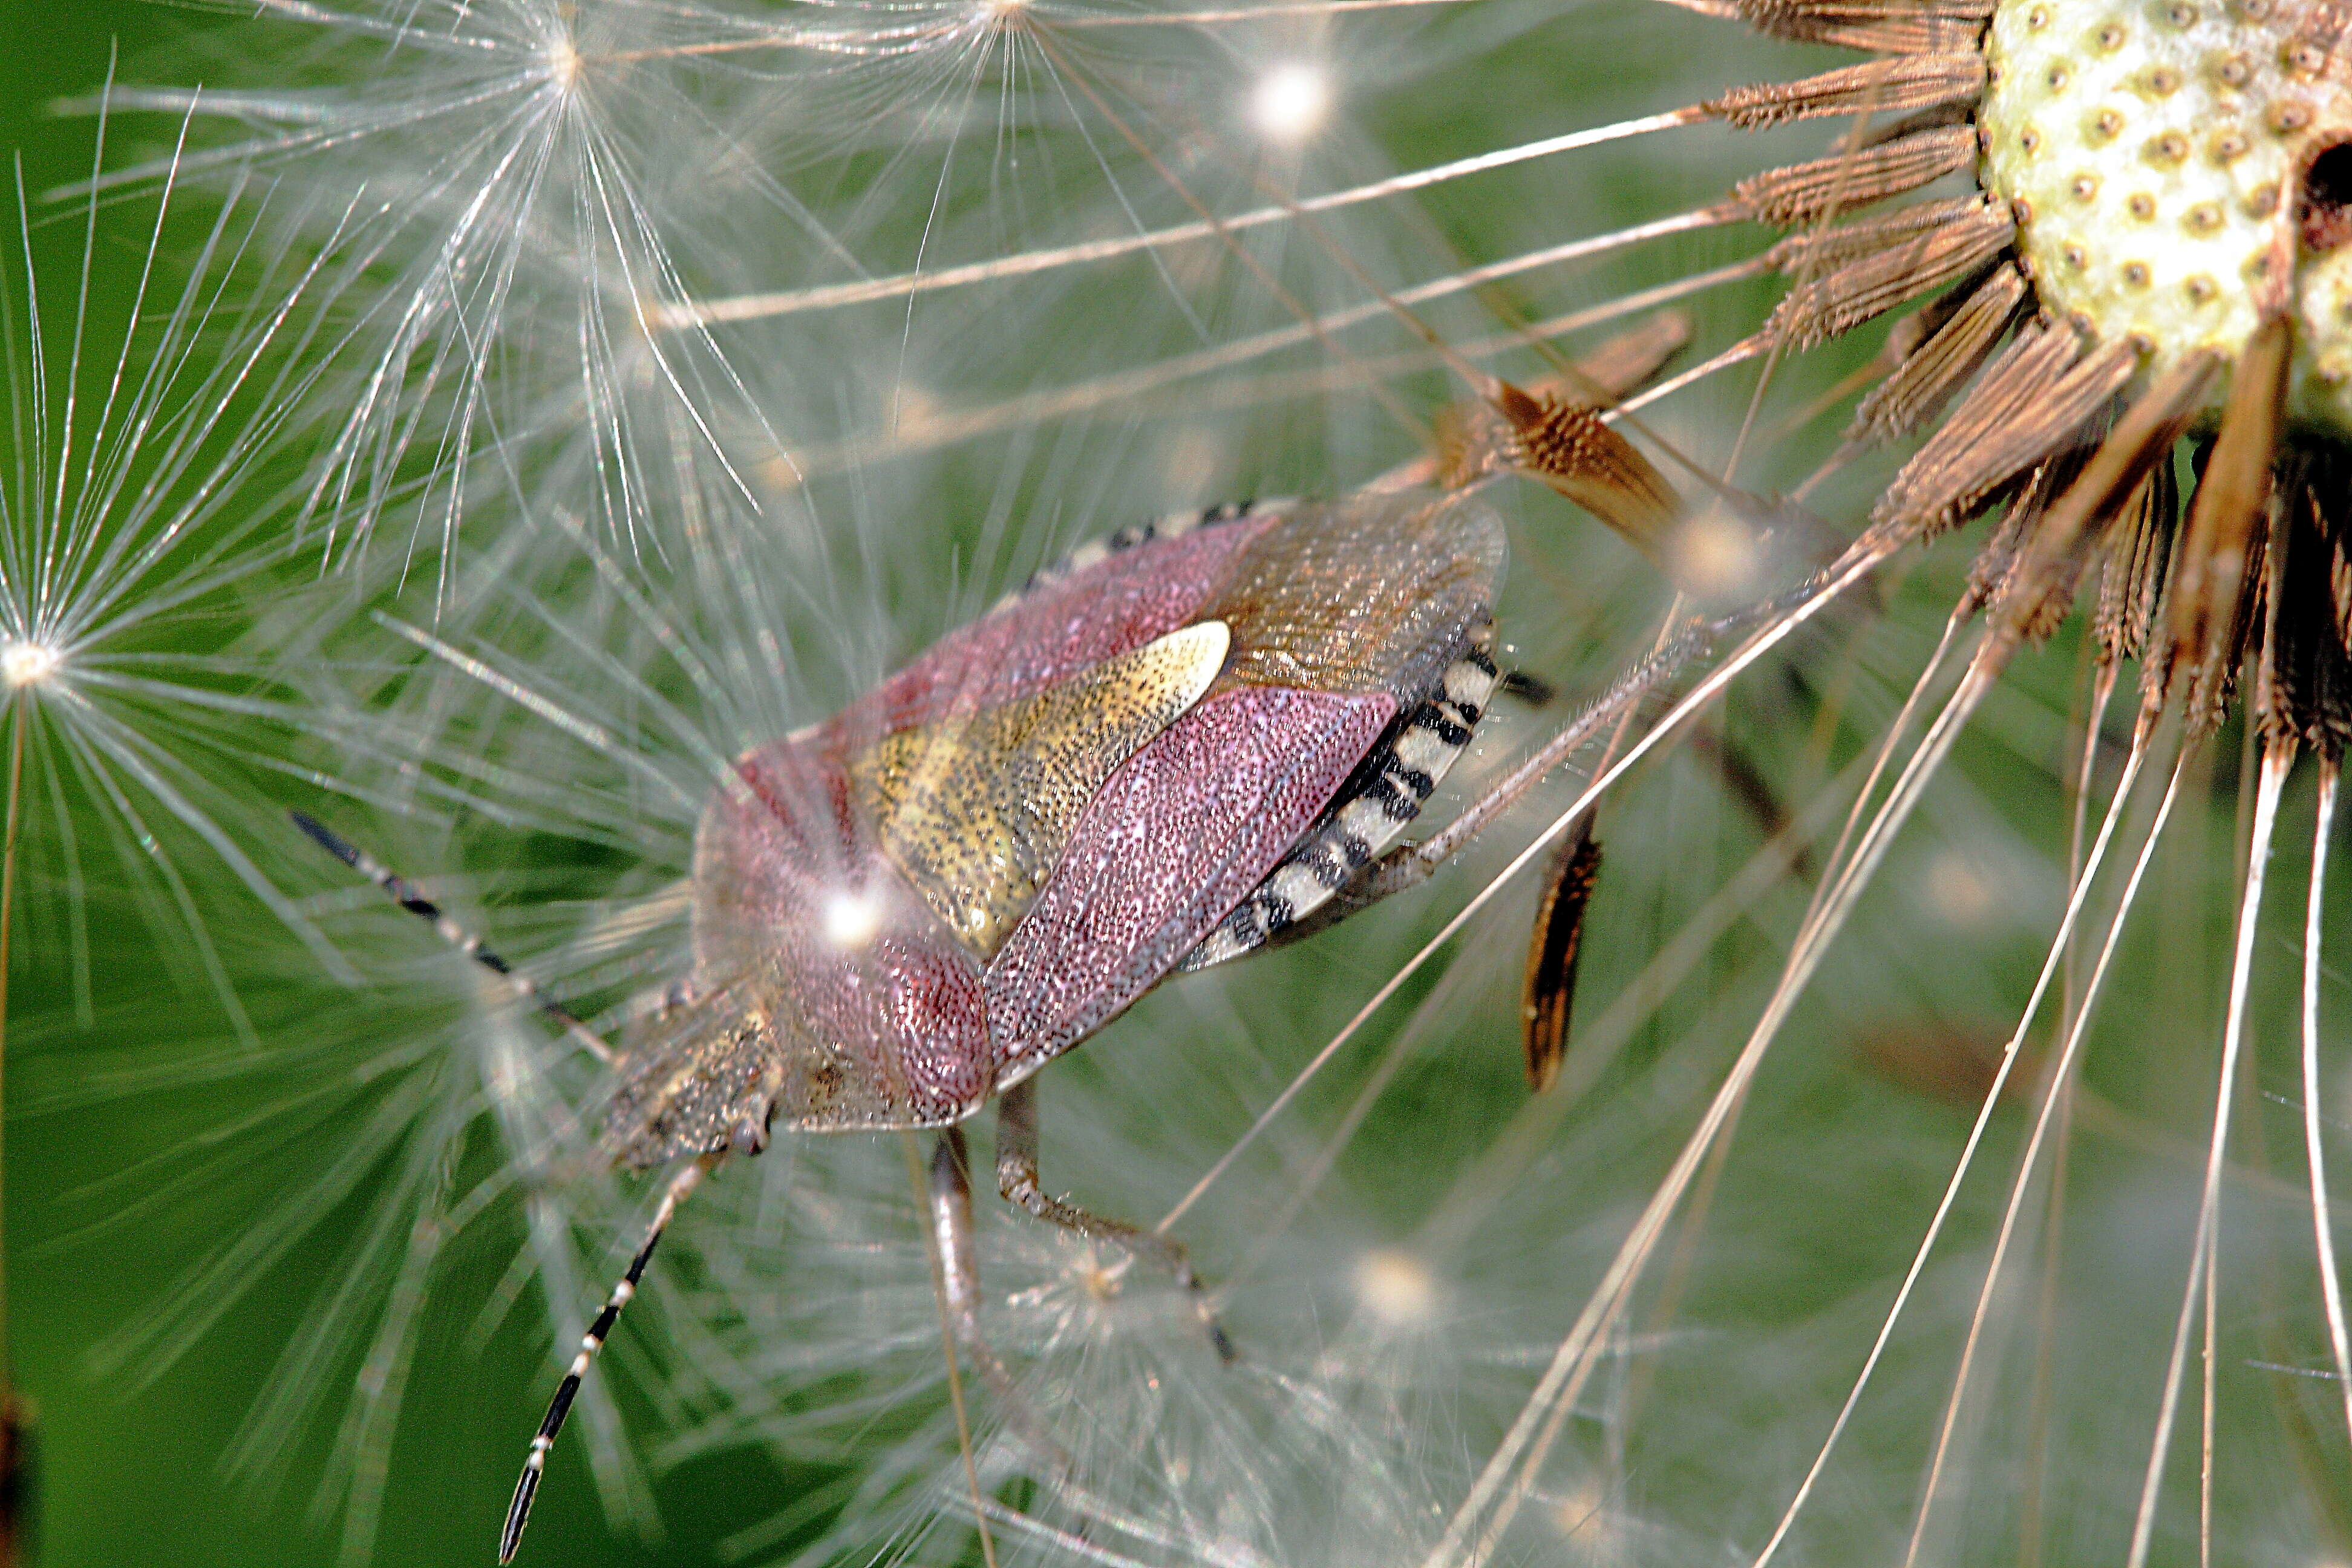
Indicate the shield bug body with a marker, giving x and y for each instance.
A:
(1179, 745)
(1161, 755)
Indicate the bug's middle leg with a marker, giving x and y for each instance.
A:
(950, 1204)
(1017, 1179)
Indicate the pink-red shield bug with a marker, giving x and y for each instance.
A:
(1180, 744)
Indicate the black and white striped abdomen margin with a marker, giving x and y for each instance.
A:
(1386, 792)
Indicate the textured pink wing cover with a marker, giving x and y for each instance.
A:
(907, 1008)
(1185, 829)
(1054, 633)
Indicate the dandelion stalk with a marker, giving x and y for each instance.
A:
(15, 1426)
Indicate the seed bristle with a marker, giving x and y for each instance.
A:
(1904, 255)
(1993, 573)
(1875, 86)
(1890, 29)
(2302, 688)
(1928, 374)
(1549, 995)
(2132, 581)
(1847, 182)
(2091, 489)
(2035, 396)
(1474, 440)
(1567, 445)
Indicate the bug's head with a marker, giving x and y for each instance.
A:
(826, 994)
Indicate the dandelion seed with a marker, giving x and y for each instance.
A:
(1396, 1288)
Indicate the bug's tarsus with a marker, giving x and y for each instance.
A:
(1532, 690)
(1017, 1179)
(950, 1200)
(526, 1486)
(404, 893)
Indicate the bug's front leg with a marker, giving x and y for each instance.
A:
(951, 1199)
(1017, 1179)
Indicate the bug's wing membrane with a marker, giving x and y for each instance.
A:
(1371, 594)
(1327, 601)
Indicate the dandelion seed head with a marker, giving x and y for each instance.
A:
(1190, 460)
(563, 63)
(2153, 157)
(1717, 556)
(1958, 891)
(25, 663)
(1580, 1515)
(1100, 1281)
(1290, 102)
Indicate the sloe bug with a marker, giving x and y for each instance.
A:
(1182, 744)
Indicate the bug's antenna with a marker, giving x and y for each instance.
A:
(526, 1487)
(403, 892)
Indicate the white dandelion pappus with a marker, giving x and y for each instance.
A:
(143, 508)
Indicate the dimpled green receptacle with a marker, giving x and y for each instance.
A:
(2179, 168)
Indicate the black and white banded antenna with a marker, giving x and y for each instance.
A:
(403, 892)
(527, 1485)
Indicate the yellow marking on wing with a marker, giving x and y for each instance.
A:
(976, 810)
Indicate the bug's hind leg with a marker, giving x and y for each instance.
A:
(1017, 1179)
(950, 1201)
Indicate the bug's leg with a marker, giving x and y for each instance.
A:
(1017, 1179)
(519, 1511)
(959, 1287)
(951, 1197)
(1532, 690)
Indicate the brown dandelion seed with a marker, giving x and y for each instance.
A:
(1843, 183)
(1567, 445)
(1893, 259)
(2220, 547)
(1881, 86)
(1475, 439)
(1929, 376)
(2303, 681)
(1549, 993)
(2139, 548)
